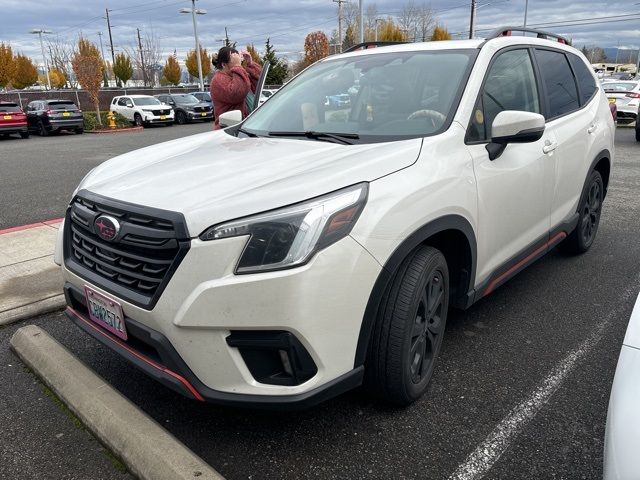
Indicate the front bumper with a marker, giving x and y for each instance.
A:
(321, 304)
(200, 116)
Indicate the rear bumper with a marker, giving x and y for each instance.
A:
(13, 128)
(66, 124)
(153, 353)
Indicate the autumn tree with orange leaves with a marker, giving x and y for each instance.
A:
(87, 65)
(316, 47)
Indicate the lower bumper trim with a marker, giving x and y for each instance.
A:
(182, 380)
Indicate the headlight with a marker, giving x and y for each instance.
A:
(290, 236)
(147, 110)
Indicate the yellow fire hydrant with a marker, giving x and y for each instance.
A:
(111, 119)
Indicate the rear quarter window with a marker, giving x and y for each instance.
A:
(586, 82)
(560, 84)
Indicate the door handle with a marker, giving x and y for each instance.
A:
(549, 146)
(592, 128)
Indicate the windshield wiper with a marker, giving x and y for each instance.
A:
(335, 137)
(248, 134)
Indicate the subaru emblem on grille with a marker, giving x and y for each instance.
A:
(106, 227)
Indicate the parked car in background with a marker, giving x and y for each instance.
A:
(622, 434)
(143, 110)
(342, 100)
(203, 97)
(48, 116)
(13, 120)
(626, 96)
(187, 107)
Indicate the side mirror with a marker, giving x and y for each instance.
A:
(514, 126)
(129, 105)
(228, 119)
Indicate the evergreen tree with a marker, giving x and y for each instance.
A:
(278, 70)
(349, 38)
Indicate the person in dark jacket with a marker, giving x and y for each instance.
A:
(232, 81)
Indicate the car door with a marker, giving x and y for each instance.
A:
(575, 123)
(514, 190)
(125, 109)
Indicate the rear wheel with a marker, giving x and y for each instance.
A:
(24, 134)
(582, 237)
(42, 130)
(79, 131)
(137, 119)
(637, 131)
(409, 328)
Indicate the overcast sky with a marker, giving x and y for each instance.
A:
(288, 21)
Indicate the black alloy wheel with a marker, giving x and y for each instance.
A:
(181, 118)
(589, 210)
(42, 130)
(137, 119)
(409, 328)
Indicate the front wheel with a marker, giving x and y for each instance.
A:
(181, 118)
(137, 119)
(409, 328)
(582, 237)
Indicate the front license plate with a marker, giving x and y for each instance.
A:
(612, 100)
(66, 114)
(7, 117)
(106, 312)
(203, 114)
(163, 117)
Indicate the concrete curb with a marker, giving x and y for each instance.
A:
(34, 309)
(116, 130)
(148, 450)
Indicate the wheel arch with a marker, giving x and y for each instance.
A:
(454, 236)
(602, 163)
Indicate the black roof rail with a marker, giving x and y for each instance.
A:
(367, 45)
(508, 31)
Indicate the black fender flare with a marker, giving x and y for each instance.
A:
(447, 222)
(603, 154)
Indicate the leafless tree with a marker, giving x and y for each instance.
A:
(408, 19)
(152, 54)
(60, 55)
(425, 23)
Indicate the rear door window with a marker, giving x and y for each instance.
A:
(560, 84)
(586, 82)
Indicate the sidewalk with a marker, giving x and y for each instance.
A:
(30, 283)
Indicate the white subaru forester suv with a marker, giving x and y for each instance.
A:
(310, 248)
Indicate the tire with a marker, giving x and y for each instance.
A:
(137, 120)
(637, 134)
(181, 118)
(79, 131)
(24, 134)
(590, 208)
(409, 327)
(42, 130)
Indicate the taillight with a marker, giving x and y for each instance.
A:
(633, 95)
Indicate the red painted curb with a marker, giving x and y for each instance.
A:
(46, 223)
(116, 130)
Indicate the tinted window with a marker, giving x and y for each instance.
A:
(9, 107)
(559, 82)
(122, 101)
(62, 106)
(141, 101)
(585, 78)
(510, 85)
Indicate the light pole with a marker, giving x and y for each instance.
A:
(193, 11)
(526, 9)
(378, 20)
(40, 31)
(360, 21)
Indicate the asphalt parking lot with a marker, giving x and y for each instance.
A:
(522, 384)
(38, 175)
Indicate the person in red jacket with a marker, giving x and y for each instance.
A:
(232, 81)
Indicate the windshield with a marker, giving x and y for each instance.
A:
(203, 96)
(146, 101)
(619, 86)
(377, 98)
(185, 98)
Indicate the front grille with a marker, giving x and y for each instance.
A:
(202, 109)
(138, 263)
(162, 112)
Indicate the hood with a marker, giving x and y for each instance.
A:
(214, 177)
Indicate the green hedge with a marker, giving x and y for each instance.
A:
(91, 120)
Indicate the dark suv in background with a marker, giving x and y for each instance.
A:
(12, 120)
(47, 116)
(187, 108)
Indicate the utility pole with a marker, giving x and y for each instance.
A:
(39, 32)
(526, 9)
(113, 56)
(144, 72)
(339, 2)
(472, 22)
(104, 73)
